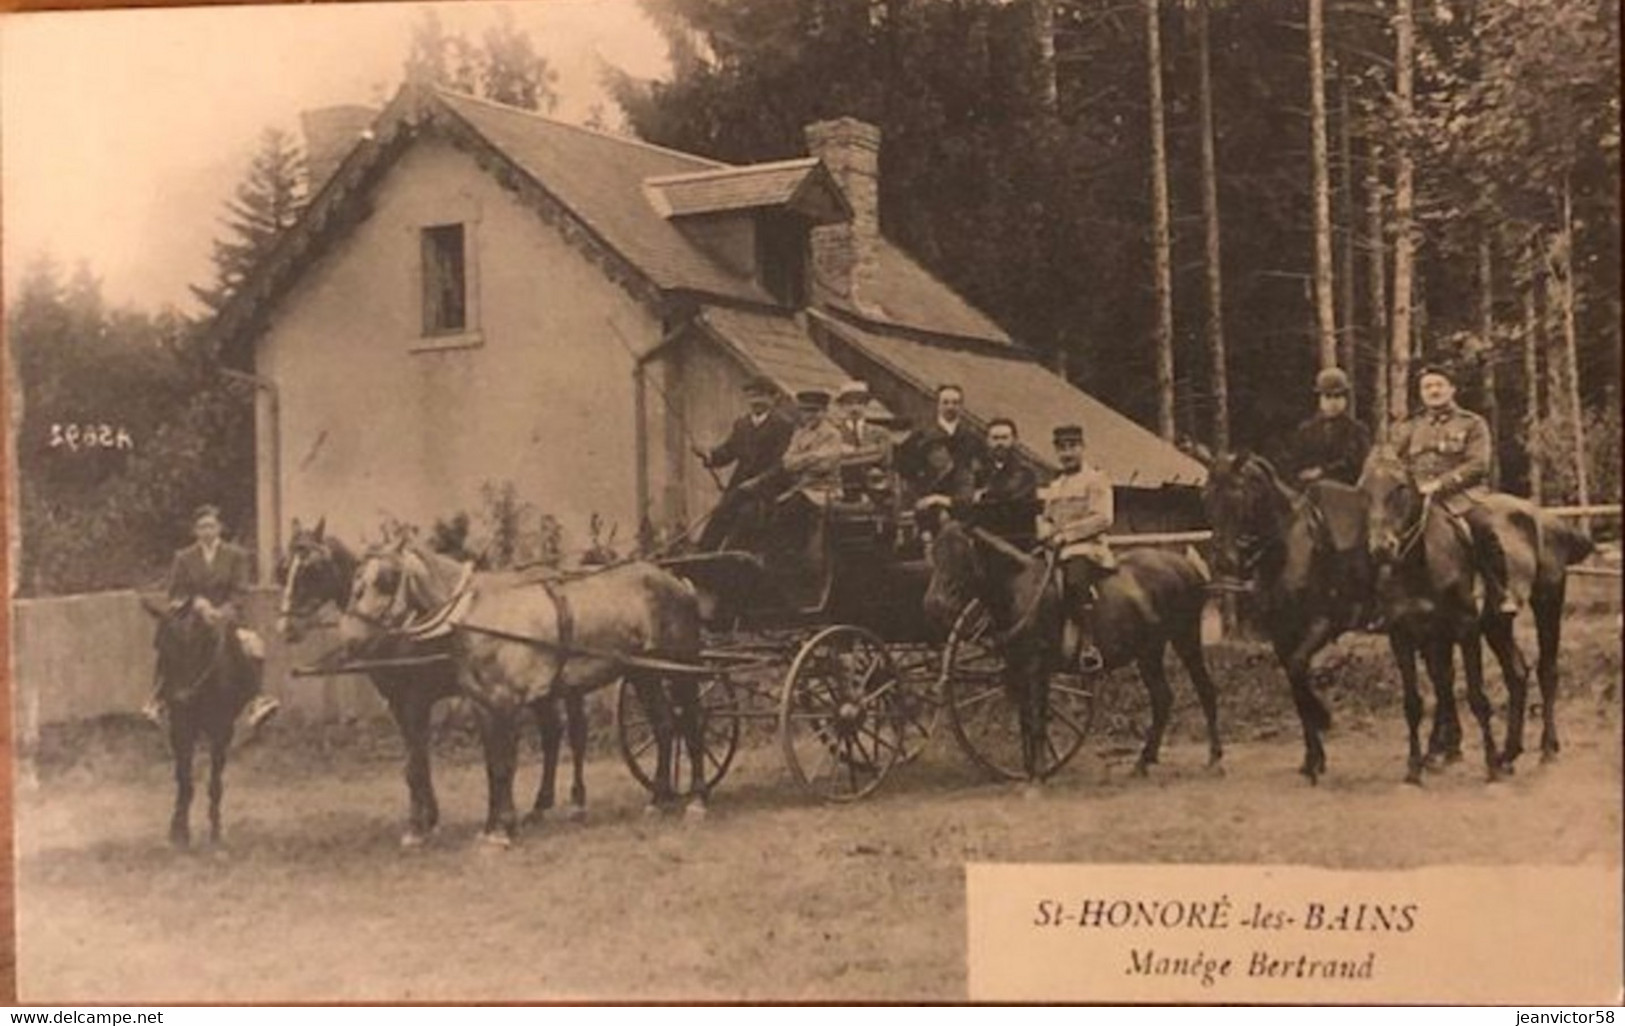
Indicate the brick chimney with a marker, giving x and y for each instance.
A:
(330, 134)
(845, 256)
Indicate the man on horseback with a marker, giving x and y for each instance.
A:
(753, 447)
(213, 575)
(1331, 445)
(1447, 450)
(1077, 514)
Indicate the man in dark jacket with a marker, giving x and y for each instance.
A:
(753, 448)
(1331, 444)
(966, 447)
(214, 575)
(1006, 495)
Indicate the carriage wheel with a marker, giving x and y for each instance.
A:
(838, 718)
(719, 735)
(985, 716)
(918, 706)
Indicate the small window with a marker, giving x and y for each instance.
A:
(781, 258)
(445, 281)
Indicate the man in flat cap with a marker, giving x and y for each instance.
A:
(753, 447)
(1331, 445)
(213, 575)
(1078, 511)
(1447, 449)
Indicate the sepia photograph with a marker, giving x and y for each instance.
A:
(800, 501)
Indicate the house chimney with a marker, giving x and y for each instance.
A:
(330, 134)
(845, 256)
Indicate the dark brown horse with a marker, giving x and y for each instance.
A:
(1154, 599)
(518, 641)
(1434, 595)
(317, 575)
(202, 675)
(1303, 557)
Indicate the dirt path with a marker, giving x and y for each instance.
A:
(769, 897)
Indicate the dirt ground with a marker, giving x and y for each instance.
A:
(769, 897)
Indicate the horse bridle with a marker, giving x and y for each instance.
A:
(208, 667)
(285, 608)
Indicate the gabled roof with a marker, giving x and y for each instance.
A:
(1010, 384)
(599, 178)
(597, 183)
(803, 185)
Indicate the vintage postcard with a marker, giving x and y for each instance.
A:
(1002, 500)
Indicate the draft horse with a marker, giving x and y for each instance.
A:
(1434, 596)
(1154, 599)
(203, 677)
(316, 575)
(517, 642)
(1302, 556)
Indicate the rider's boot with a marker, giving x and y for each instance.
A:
(1089, 659)
(1492, 558)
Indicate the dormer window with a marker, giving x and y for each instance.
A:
(781, 257)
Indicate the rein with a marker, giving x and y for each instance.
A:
(1004, 548)
(1414, 533)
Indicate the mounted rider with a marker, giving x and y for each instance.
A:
(213, 576)
(1448, 451)
(1078, 511)
(1331, 445)
(753, 447)
(1328, 452)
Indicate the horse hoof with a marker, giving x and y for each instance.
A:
(576, 814)
(1548, 757)
(652, 810)
(1032, 792)
(496, 840)
(412, 840)
(695, 812)
(1414, 778)
(1142, 770)
(1215, 769)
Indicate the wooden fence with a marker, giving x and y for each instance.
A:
(80, 657)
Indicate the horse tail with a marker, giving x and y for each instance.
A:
(1572, 543)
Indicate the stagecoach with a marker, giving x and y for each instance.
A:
(837, 654)
(825, 648)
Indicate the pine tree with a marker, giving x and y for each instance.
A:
(266, 203)
(505, 67)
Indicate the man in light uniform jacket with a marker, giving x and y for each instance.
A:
(1078, 512)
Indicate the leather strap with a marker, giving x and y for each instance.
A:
(567, 629)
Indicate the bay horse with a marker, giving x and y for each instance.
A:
(517, 641)
(1303, 557)
(317, 574)
(1154, 599)
(202, 676)
(1434, 593)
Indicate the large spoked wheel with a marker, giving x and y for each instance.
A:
(918, 706)
(986, 716)
(719, 735)
(838, 720)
